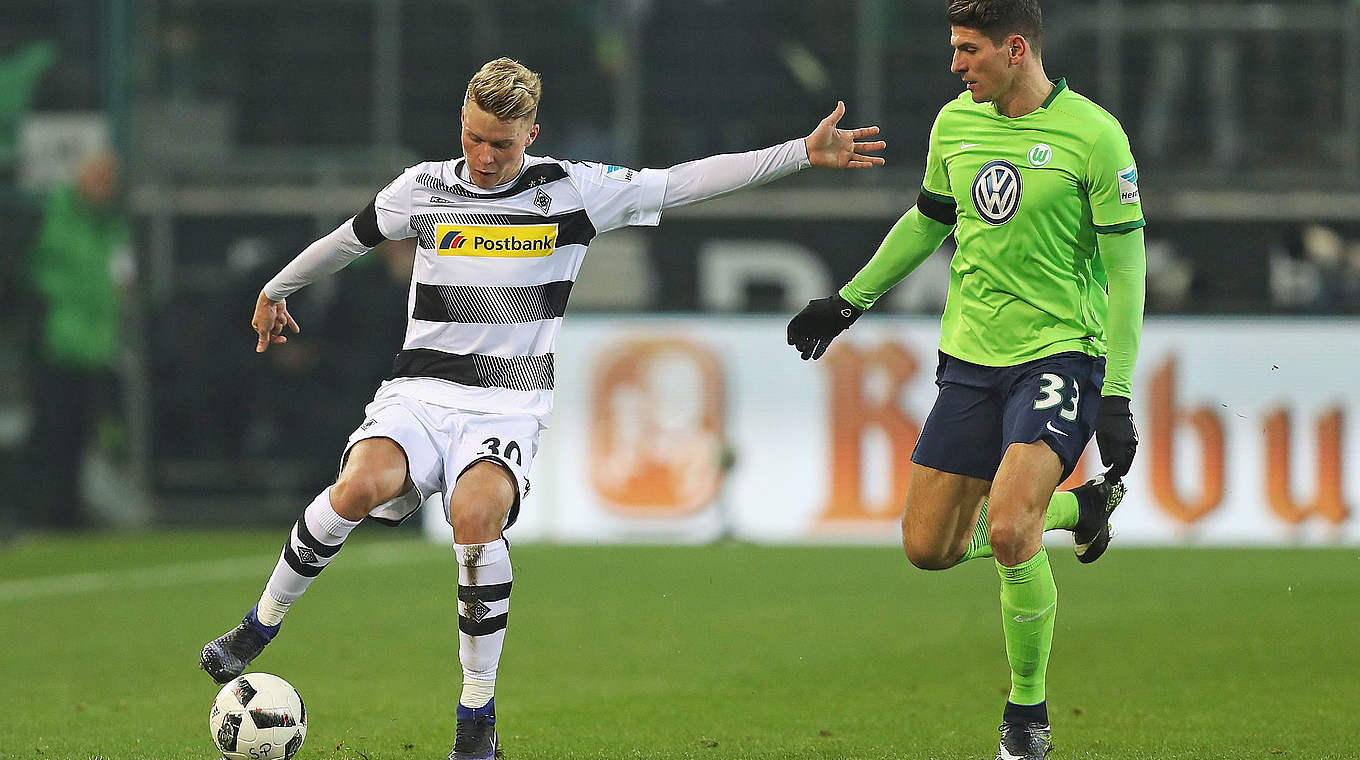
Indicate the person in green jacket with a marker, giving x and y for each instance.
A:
(76, 266)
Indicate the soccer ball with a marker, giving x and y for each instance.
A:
(258, 716)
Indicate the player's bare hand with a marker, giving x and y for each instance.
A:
(834, 148)
(269, 321)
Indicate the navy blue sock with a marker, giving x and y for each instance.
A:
(1025, 713)
(487, 711)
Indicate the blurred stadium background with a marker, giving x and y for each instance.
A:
(246, 129)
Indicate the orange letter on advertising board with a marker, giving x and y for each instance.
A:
(1163, 419)
(657, 432)
(1330, 503)
(854, 411)
(1079, 475)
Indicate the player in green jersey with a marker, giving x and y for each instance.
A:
(1039, 334)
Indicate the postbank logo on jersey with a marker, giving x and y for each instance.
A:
(996, 191)
(521, 241)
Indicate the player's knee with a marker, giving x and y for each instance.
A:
(356, 494)
(481, 499)
(1006, 538)
(927, 557)
(476, 523)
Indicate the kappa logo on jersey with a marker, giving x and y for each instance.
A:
(996, 192)
(1128, 185)
(621, 173)
(520, 241)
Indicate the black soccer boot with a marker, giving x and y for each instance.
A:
(1096, 500)
(1024, 741)
(227, 656)
(476, 737)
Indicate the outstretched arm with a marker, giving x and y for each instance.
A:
(326, 256)
(834, 148)
(827, 146)
(915, 236)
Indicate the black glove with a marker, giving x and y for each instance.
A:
(811, 330)
(1116, 435)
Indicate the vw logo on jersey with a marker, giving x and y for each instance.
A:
(996, 192)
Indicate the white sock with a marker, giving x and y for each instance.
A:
(484, 580)
(477, 693)
(312, 543)
(269, 610)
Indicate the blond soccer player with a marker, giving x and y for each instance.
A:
(501, 235)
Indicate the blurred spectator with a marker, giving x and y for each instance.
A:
(350, 336)
(1315, 269)
(76, 269)
(19, 74)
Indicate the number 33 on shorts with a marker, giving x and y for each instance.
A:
(1051, 394)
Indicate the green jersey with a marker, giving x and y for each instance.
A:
(1031, 194)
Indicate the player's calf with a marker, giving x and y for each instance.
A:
(313, 542)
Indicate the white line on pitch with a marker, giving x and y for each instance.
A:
(159, 576)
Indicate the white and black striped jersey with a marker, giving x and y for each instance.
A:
(493, 271)
(494, 267)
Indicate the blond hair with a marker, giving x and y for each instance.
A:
(505, 89)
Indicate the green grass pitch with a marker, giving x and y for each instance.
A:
(724, 651)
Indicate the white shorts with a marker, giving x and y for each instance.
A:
(441, 443)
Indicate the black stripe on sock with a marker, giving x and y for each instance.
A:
(1025, 713)
(492, 593)
(306, 537)
(485, 626)
(295, 562)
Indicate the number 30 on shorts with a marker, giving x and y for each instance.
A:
(1051, 395)
(493, 445)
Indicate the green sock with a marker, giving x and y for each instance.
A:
(980, 546)
(1062, 511)
(1029, 605)
(1061, 515)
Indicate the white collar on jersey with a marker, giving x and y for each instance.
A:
(460, 170)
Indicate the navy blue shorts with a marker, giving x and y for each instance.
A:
(982, 410)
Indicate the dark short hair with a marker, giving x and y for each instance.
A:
(999, 19)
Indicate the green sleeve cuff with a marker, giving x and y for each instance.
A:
(1107, 229)
(910, 241)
